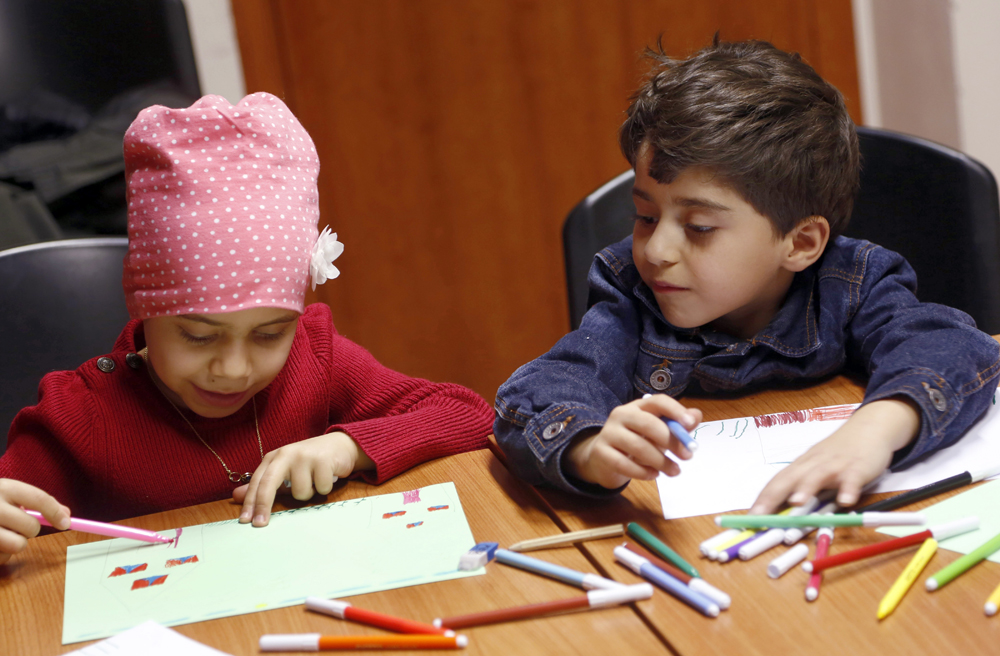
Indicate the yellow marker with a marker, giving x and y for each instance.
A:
(744, 535)
(906, 579)
(993, 602)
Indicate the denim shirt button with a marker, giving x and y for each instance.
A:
(660, 379)
(552, 430)
(937, 398)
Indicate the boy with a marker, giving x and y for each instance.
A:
(746, 166)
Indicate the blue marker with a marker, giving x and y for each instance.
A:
(679, 431)
(564, 574)
(651, 572)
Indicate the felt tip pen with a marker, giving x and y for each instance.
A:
(696, 583)
(657, 546)
(771, 538)
(906, 579)
(650, 572)
(939, 533)
(679, 432)
(787, 521)
(930, 490)
(793, 535)
(558, 572)
(990, 608)
(823, 540)
(110, 530)
(345, 611)
(948, 574)
(317, 642)
(592, 600)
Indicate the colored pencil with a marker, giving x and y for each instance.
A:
(939, 533)
(593, 599)
(568, 538)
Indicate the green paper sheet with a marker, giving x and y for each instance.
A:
(227, 568)
(982, 501)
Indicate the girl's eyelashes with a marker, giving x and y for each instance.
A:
(270, 337)
(644, 220)
(194, 339)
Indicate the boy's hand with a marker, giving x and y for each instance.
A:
(311, 466)
(16, 526)
(632, 443)
(856, 454)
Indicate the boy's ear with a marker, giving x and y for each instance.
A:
(806, 242)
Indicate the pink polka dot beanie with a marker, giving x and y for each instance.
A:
(223, 209)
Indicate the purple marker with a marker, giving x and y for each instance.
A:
(731, 553)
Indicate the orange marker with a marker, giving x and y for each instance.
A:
(317, 642)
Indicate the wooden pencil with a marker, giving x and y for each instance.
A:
(564, 539)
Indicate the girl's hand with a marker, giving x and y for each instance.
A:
(856, 454)
(632, 443)
(16, 526)
(311, 467)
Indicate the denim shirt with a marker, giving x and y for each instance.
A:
(854, 308)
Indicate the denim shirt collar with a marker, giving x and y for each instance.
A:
(792, 332)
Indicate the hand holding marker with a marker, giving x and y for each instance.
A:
(679, 432)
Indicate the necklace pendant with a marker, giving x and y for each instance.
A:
(245, 478)
(234, 477)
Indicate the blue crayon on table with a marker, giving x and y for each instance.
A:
(564, 574)
(650, 572)
(679, 431)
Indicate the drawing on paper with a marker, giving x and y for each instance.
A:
(828, 413)
(148, 582)
(174, 562)
(398, 513)
(127, 569)
(414, 524)
(433, 508)
(413, 496)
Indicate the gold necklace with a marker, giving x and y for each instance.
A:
(233, 476)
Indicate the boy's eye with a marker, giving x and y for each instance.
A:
(700, 229)
(644, 220)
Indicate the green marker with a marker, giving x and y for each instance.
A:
(788, 521)
(653, 543)
(960, 566)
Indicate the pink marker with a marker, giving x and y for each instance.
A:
(112, 530)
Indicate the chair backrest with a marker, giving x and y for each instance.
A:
(61, 303)
(934, 205)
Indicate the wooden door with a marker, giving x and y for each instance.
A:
(455, 136)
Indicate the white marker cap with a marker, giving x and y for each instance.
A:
(893, 519)
(984, 473)
(290, 642)
(787, 560)
(630, 559)
(769, 540)
(990, 608)
(622, 595)
(721, 599)
(957, 527)
(595, 582)
(327, 606)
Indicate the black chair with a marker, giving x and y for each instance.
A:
(934, 205)
(61, 303)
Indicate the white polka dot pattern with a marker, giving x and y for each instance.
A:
(223, 208)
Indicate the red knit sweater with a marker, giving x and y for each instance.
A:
(110, 446)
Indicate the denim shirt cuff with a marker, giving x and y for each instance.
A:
(939, 405)
(549, 433)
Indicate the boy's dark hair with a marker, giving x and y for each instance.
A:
(759, 117)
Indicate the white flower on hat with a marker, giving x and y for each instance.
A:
(326, 250)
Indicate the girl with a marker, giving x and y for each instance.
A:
(222, 371)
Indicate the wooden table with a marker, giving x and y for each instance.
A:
(771, 616)
(499, 508)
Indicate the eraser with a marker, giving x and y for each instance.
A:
(478, 556)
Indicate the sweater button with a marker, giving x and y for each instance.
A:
(133, 360)
(660, 379)
(106, 364)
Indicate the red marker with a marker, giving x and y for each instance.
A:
(939, 533)
(823, 540)
(345, 611)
